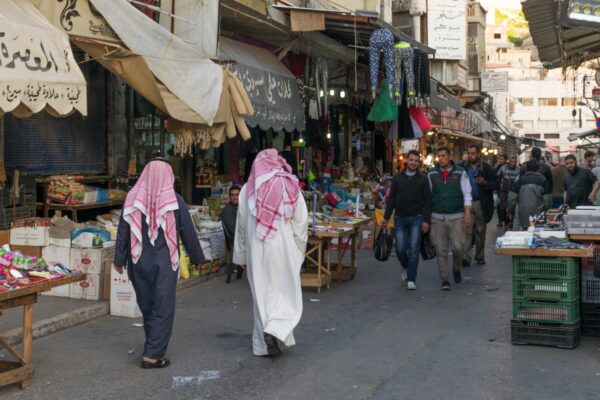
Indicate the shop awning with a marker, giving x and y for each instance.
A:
(37, 68)
(272, 88)
(171, 74)
(466, 136)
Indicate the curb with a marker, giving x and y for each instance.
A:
(82, 315)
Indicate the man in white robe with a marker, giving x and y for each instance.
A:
(271, 235)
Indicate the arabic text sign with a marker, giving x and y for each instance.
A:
(275, 98)
(447, 27)
(492, 82)
(77, 17)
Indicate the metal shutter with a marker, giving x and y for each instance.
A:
(42, 144)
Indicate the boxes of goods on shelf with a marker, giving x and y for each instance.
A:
(546, 296)
(66, 190)
(91, 249)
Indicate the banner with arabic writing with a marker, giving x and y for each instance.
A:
(37, 67)
(271, 87)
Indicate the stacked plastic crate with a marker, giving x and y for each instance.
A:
(590, 296)
(546, 296)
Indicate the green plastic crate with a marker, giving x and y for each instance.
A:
(545, 267)
(545, 289)
(566, 312)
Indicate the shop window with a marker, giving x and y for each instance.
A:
(551, 135)
(524, 101)
(548, 102)
(569, 102)
(533, 135)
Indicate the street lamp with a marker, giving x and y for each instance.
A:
(503, 137)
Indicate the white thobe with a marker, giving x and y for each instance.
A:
(273, 272)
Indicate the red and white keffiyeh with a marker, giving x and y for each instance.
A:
(272, 193)
(153, 196)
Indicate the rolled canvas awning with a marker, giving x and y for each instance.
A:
(272, 88)
(170, 73)
(37, 67)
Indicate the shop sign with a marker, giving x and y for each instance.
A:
(494, 82)
(596, 94)
(447, 27)
(77, 18)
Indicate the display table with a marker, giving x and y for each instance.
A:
(21, 370)
(74, 208)
(585, 238)
(320, 246)
(540, 252)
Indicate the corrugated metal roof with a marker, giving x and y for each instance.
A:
(559, 45)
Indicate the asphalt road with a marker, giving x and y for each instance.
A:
(365, 339)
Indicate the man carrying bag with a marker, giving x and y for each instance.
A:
(410, 199)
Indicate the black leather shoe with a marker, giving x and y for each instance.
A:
(272, 345)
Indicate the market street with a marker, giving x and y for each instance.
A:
(366, 339)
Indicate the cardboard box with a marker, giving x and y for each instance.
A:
(123, 302)
(61, 255)
(30, 251)
(4, 237)
(59, 242)
(106, 280)
(91, 261)
(30, 236)
(89, 289)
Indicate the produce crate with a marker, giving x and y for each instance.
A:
(545, 267)
(542, 289)
(587, 263)
(564, 336)
(590, 319)
(566, 312)
(20, 212)
(590, 288)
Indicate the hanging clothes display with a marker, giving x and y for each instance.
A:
(321, 77)
(382, 41)
(422, 76)
(404, 63)
(405, 129)
(384, 108)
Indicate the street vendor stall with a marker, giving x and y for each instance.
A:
(21, 370)
(546, 286)
(327, 234)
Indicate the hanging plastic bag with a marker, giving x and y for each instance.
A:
(184, 263)
(427, 249)
(383, 245)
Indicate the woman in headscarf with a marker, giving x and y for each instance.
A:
(270, 238)
(153, 221)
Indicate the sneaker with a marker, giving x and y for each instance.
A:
(466, 263)
(480, 262)
(411, 286)
(445, 285)
(457, 277)
(404, 275)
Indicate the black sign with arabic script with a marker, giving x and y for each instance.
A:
(275, 98)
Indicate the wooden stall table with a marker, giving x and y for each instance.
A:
(318, 273)
(74, 208)
(584, 238)
(540, 252)
(21, 370)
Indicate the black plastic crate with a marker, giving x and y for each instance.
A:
(590, 319)
(590, 288)
(27, 192)
(8, 215)
(564, 336)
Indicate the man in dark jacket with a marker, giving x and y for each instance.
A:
(410, 199)
(530, 190)
(544, 169)
(483, 181)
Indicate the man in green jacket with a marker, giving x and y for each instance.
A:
(451, 214)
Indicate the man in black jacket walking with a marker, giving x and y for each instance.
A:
(483, 183)
(410, 199)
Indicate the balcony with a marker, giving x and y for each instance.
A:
(455, 77)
